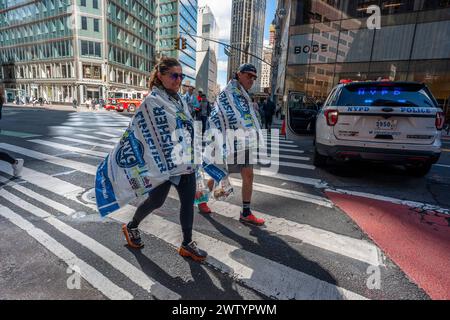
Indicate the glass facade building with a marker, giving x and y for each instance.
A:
(62, 50)
(332, 40)
(178, 19)
(247, 34)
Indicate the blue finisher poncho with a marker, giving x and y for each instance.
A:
(145, 157)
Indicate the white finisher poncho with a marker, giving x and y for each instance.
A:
(232, 113)
(144, 157)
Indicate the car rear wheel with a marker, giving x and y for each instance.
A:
(131, 108)
(418, 170)
(319, 160)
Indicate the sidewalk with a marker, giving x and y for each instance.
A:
(54, 107)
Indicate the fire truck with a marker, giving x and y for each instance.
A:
(124, 101)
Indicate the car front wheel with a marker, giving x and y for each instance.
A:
(131, 108)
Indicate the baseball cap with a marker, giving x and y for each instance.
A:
(247, 67)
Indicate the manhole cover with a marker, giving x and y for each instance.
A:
(89, 196)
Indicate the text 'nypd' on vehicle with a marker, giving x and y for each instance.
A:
(395, 122)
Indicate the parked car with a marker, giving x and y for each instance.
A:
(394, 122)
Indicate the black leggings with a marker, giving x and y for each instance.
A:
(6, 157)
(186, 193)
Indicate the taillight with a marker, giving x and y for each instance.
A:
(440, 118)
(332, 117)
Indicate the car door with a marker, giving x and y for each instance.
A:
(302, 113)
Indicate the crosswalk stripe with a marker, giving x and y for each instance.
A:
(281, 142)
(114, 140)
(112, 124)
(43, 180)
(126, 268)
(346, 246)
(266, 276)
(90, 274)
(107, 134)
(77, 165)
(296, 195)
(303, 180)
(96, 144)
(71, 128)
(288, 146)
(296, 165)
(291, 150)
(70, 148)
(272, 279)
(4, 180)
(283, 156)
(45, 200)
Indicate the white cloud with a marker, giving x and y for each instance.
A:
(222, 11)
(222, 65)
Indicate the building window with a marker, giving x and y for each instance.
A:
(96, 25)
(94, 4)
(84, 48)
(90, 48)
(97, 49)
(83, 23)
(83, 3)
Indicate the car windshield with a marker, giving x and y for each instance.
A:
(392, 96)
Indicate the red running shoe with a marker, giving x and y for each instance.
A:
(203, 208)
(251, 219)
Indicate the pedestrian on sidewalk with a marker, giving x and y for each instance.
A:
(261, 111)
(165, 82)
(242, 82)
(269, 111)
(190, 98)
(447, 127)
(205, 110)
(278, 112)
(16, 164)
(2, 101)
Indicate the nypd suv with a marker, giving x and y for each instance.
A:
(395, 122)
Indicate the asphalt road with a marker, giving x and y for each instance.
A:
(309, 249)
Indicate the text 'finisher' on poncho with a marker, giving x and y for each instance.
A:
(144, 157)
(232, 113)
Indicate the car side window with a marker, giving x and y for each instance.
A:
(327, 102)
(334, 97)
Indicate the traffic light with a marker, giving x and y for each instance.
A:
(183, 43)
(176, 43)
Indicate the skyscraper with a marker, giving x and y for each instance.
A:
(62, 50)
(266, 68)
(247, 34)
(207, 52)
(178, 19)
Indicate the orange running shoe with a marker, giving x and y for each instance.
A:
(192, 251)
(133, 237)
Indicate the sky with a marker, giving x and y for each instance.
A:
(222, 12)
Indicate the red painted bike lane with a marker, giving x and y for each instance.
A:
(418, 242)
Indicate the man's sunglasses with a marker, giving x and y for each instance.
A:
(174, 76)
(251, 76)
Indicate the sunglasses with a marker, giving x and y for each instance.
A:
(251, 76)
(174, 76)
